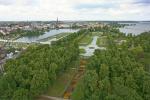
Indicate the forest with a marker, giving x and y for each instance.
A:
(36, 68)
(122, 72)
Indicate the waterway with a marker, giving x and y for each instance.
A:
(46, 35)
(136, 29)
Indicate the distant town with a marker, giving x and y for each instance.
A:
(8, 27)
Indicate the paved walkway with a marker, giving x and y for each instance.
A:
(45, 97)
(91, 47)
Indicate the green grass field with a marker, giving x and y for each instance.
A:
(86, 40)
(60, 84)
(97, 33)
(57, 36)
(101, 41)
(82, 51)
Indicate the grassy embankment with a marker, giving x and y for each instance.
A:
(57, 36)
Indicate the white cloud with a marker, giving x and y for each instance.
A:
(66, 10)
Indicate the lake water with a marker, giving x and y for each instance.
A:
(137, 28)
(47, 34)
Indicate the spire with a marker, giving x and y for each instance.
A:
(57, 19)
(57, 22)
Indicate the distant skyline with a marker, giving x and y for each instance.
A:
(47, 10)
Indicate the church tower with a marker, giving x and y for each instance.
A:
(57, 23)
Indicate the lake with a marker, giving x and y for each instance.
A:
(47, 34)
(137, 28)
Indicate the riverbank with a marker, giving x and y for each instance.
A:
(57, 36)
(46, 35)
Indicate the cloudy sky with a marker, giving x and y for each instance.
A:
(18, 10)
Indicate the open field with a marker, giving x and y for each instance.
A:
(86, 40)
(61, 83)
(97, 33)
(82, 50)
(101, 41)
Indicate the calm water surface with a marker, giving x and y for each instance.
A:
(137, 28)
(47, 34)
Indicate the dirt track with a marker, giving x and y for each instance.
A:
(76, 78)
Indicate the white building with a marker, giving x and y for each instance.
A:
(2, 32)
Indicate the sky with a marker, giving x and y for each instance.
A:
(47, 10)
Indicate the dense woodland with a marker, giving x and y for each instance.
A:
(140, 47)
(122, 72)
(37, 67)
(119, 73)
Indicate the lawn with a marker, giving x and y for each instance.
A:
(82, 51)
(61, 35)
(97, 33)
(86, 40)
(101, 41)
(57, 36)
(60, 84)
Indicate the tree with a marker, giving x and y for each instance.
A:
(52, 72)
(113, 97)
(90, 85)
(130, 82)
(146, 87)
(104, 71)
(39, 82)
(21, 94)
(37, 67)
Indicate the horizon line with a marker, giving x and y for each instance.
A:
(72, 20)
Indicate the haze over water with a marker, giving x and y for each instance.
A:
(136, 29)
